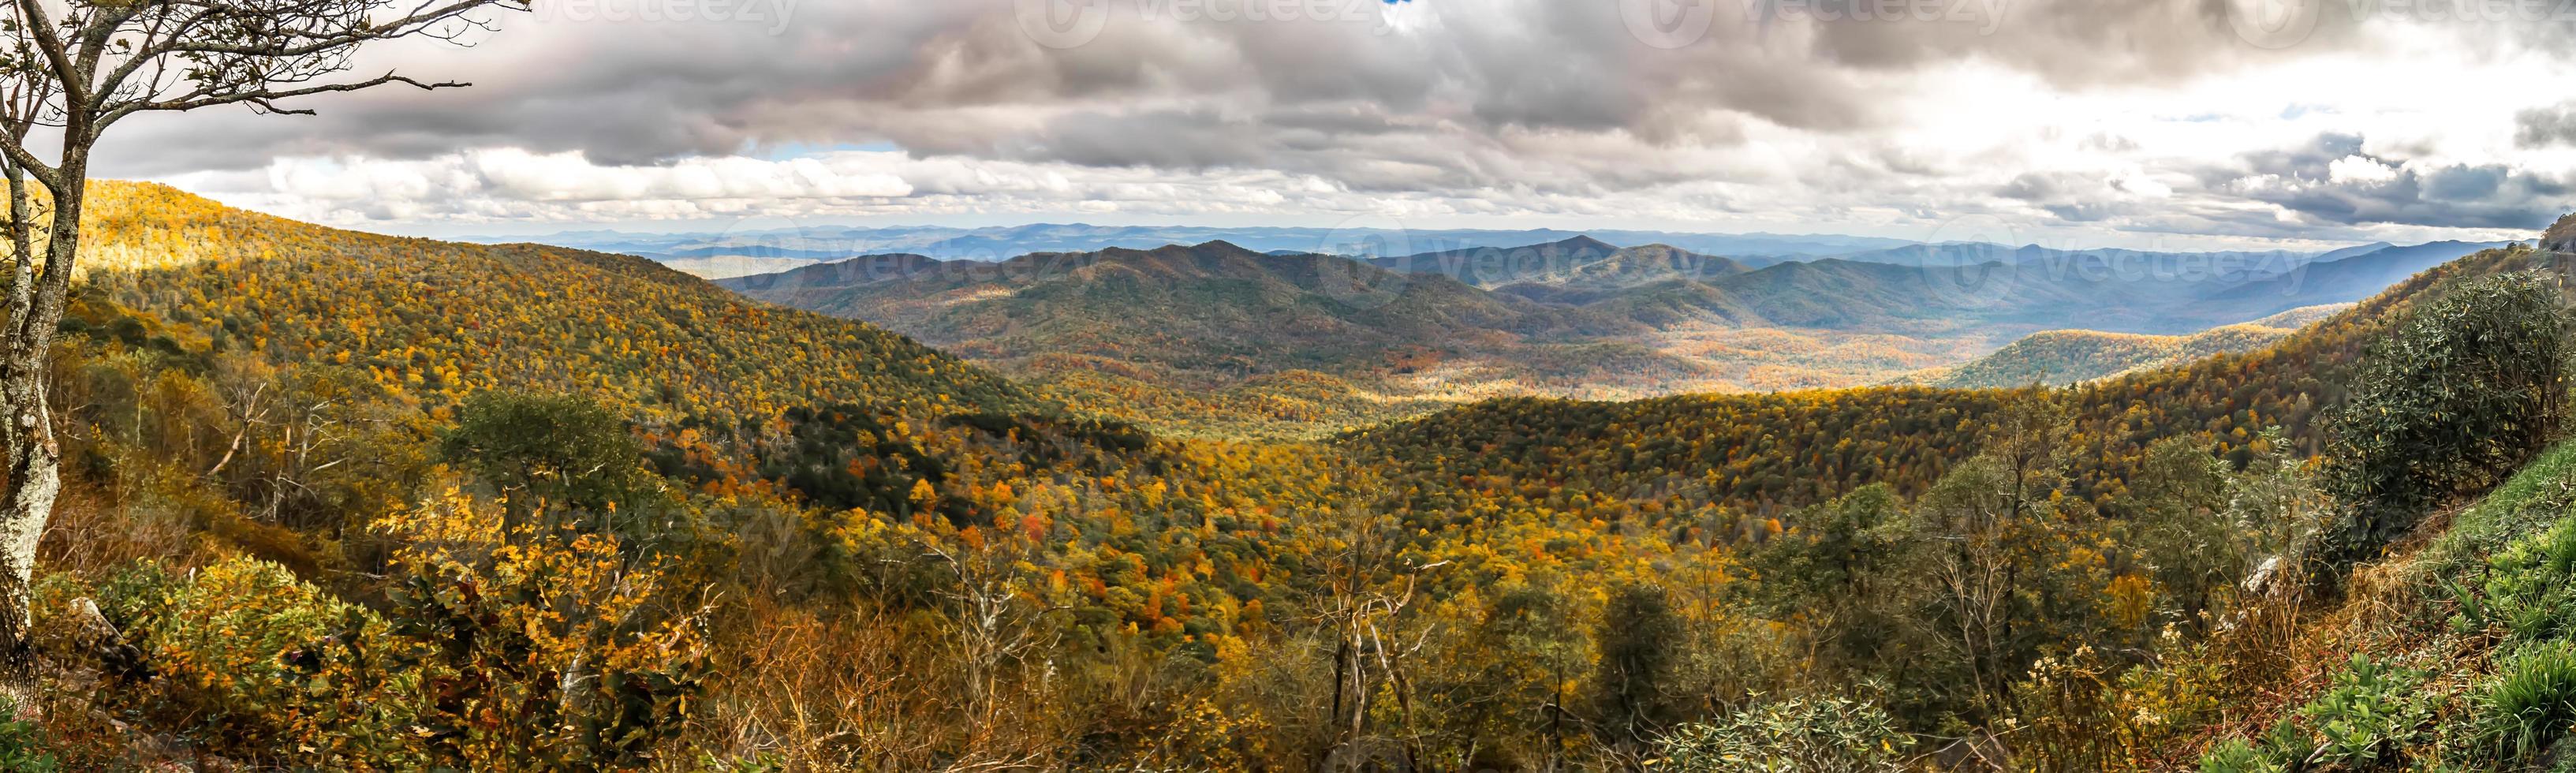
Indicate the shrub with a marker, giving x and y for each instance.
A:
(22, 744)
(551, 649)
(2236, 755)
(549, 451)
(2170, 699)
(2371, 712)
(2285, 743)
(2468, 389)
(2530, 701)
(1798, 735)
(1640, 637)
(268, 667)
(2529, 589)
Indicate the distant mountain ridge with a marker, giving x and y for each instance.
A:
(1219, 322)
(995, 244)
(2342, 274)
(1579, 261)
(1481, 257)
(2061, 357)
(1188, 324)
(2320, 286)
(2229, 264)
(1229, 286)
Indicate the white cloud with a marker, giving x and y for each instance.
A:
(2073, 121)
(2355, 169)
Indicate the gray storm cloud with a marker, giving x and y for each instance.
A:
(629, 90)
(1547, 97)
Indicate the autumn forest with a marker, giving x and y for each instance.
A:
(286, 492)
(531, 508)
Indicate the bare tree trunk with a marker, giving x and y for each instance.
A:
(27, 432)
(1341, 675)
(1555, 722)
(34, 480)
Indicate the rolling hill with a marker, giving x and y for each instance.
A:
(1581, 261)
(435, 321)
(1298, 344)
(1217, 335)
(1770, 452)
(815, 243)
(1946, 287)
(2234, 265)
(2061, 357)
(2343, 276)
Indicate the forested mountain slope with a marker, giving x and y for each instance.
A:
(1580, 262)
(1774, 451)
(507, 469)
(2059, 357)
(1217, 339)
(1186, 338)
(2239, 265)
(1212, 306)
(2108, 290)
(350, 502)
(2335, 278)
(434, 321)
(815, 242)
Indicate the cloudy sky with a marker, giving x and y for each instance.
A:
(2144, 123)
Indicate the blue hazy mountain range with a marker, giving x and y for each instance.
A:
(1584, 288)
(1493, 258)
(1004, 242)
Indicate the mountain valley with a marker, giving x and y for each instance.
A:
(1220, 337)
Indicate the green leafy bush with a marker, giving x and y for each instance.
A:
(2530, 701)
(2470, 388)
(1799, 735)
(543, 649)
(2528, 590)
(543, 450)
(2284, 747)
(266, 667)
(2237, 755)
(22, 744)
(2370, 714)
